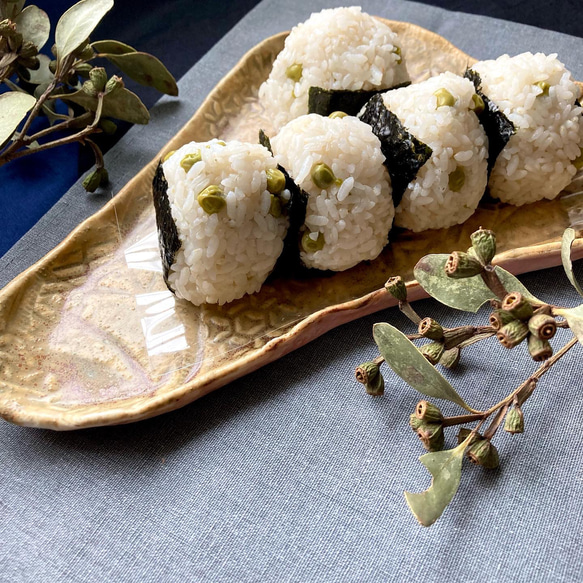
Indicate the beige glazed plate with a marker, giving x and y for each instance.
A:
(91, 336)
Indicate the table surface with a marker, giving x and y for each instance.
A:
(291, 473)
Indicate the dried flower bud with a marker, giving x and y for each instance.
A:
(14, 41)
(499, 318)
(483, 453)
(543, 326)
(428, 412)
(518, 306)
(83, 70)
(514, 422)
(109, 127)
(53, 67)
(114, 83)
(99, 78)
(432, 351)
(431, 436)
(451, 357)
(484, 245)
(539, 348)
(28, 49)
(85, 52)
(95, 179)
(89, 89)
(526, 392)
(370, 376)
(464, 433)
(7, 27)
(458, 335)
(397, 288)
(460, 265)
(415, 422)
(512, 334)
(430, 328)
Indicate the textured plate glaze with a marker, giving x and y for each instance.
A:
(90, 335)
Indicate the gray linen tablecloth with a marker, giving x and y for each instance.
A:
(292, 473)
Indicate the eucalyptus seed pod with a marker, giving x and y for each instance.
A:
(514, 422)
(483, 453)
(430, 328)
(397, 288)
(499, 318)
(85, 52)
(543, 326)
(484, 245)
(369, 374)
(109, 127)
(99, 78)
(518, 306)
(512, 334)
(415, 422)
(460, 265)
(95, 179)
(83, 70)
(114, 83)
(458, 335)
(431, 436)
(89, 89)
(53, 67)
(463, 434)
(539, 348)
(451, 357)
(428, 412)
(432, 351)
(27, 50)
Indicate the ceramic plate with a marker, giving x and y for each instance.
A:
(91, 336)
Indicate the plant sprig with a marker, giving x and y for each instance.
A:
(466, 281)
(36, 83)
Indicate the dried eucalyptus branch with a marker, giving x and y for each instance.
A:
(37, 83)
(466, 281)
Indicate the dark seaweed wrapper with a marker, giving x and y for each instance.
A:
(497, 126)
(326, 101)
(167, 231)
(404, 153)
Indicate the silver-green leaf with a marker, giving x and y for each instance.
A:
(407, 362)
(14, 106)
(34, 25)
(120, 104)
(113, 47)
(146, 70)
(446, 469)
(10, 8)
(467, 294)
(43, 73)
(77, 24)
(568, 237)
(574, 317)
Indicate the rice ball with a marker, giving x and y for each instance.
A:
(338, 48)
(537, 94)
(230, 229)
(339, 163)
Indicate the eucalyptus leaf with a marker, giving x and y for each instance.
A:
(77, 24)
(407, 362)
(146, 70)
(468, 293)
(34, 25)
(574, 317)
(568, 237)
(10, 8)
(446, 470)
(14, 106)
(43, 74)
(113, 47)
(120, 104)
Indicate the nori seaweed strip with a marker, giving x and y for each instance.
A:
(167, 231)
(497, 126)
(325, 101)
(265, 141)
(404, 153)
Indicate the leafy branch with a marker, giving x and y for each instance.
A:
(466, 281)
(41, 86)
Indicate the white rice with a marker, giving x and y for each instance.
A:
(354, 217)
(338, 48)
(230, 253)
(457, 140)
(536, 162)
